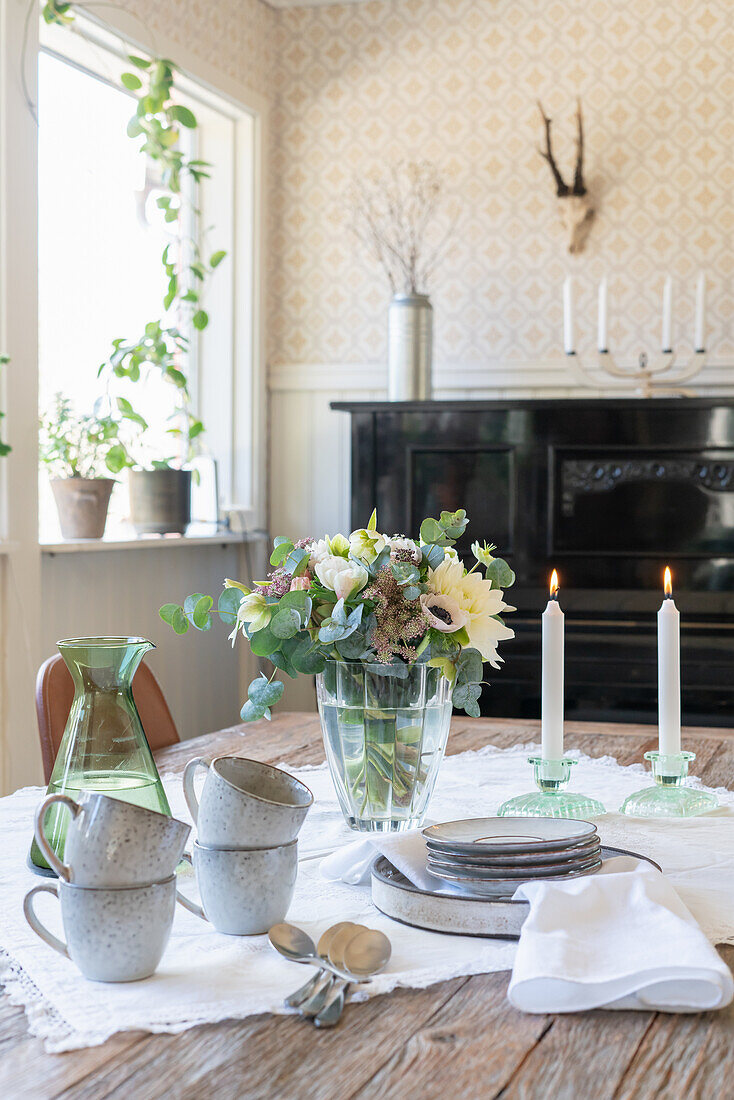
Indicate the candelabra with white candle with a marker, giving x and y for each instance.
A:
(650, 374)
(669, 797)
(552, 770)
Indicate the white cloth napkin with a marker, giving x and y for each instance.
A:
(619, 939)
(406, 851)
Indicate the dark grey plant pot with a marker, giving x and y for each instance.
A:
(160, 501)
(82, 504)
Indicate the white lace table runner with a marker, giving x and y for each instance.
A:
(205, 977)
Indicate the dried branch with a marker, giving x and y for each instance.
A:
(579, 188)
(395, 215)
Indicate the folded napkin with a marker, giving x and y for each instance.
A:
(406, 851)
(621, 938)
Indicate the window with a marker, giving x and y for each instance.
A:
(101, 238)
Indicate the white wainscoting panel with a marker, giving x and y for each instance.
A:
(119, 592)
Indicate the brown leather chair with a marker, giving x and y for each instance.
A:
(54, 695)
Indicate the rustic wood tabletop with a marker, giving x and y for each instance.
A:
(460, 1038)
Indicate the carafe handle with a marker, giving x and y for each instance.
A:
(63, 870)
(41, 929)
(186, 902)
(188, 785)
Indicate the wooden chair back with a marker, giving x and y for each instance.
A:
(54, 695)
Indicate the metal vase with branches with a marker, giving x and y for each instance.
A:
(399, 217)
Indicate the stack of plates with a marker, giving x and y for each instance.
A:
(490, 856)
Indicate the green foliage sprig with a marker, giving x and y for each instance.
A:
(5, 448)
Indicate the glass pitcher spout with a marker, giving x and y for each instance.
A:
(104, 747)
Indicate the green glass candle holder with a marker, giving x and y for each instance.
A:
(553, 800)
(669, 797)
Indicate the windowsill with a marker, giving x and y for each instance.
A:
(196, 535)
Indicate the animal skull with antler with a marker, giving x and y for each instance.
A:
(574, 203)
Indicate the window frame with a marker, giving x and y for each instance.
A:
(225, 364)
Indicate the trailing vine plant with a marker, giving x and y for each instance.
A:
(162, 346)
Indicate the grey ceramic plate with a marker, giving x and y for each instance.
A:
(445, 910)
(522, 859)
(509, 835)
(497, 874)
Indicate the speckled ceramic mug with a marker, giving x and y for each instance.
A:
(245, 804)
(244, 891)
(113, 934)
(113, 843)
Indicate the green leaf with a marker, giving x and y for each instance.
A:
(263, 693)
(405, 572)
(183, 115)
(354, 647)
(200, 319)
(131, 81)
(251, 713)
(411, 592)
(216, 257)
(116, 458)
(339, 614)
(372, 522)
(307, 658)
(433, 532)
(282, 548)
(433, 556)
(263, 642)
(201, 617)
(139, 62)
(286, 623)
(297, 561)
(229, 604)
(500, 574)
(134, 129)
(173, 614)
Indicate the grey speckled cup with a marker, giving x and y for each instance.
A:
(113, 843)
(245, 804)
(244, 892)
(115, 934)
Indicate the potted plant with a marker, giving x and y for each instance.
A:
(395, 630)
(76, 448)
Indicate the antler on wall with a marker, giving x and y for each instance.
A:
(574, 203)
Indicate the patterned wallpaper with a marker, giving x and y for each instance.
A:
(456, 81)
(235, 36)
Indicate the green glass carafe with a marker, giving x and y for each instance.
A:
(104, 747)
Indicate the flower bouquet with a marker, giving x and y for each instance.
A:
(395, 630)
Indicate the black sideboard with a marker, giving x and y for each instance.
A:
(606, 491)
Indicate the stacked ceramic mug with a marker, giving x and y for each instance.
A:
(116, 886)
(246, 851)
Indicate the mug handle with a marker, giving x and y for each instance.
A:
(38, 928)
(186, 902)
(63, 870)
(188, 785)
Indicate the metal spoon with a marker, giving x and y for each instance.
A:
(312, 986)
(295, 944)
(365, 954)
(335, 946)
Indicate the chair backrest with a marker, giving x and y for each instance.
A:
(54, 695)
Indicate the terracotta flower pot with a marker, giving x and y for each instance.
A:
(160, 501)
(82, 504)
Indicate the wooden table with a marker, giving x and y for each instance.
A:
(458, 1039)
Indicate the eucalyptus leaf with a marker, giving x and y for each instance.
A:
(500, 573)
(263, 642)
(229, 604)
(265, 693)
(286, 623)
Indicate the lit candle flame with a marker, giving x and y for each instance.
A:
(554, 586)
(668, 582)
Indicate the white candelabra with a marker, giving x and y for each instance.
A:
(663, 373)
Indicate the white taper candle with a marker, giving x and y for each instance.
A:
(699, 340)
(667, 330)
(669, 673)
(568, 336)
(602, 333)
(552, 677)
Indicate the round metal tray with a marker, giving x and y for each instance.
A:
(446, 911)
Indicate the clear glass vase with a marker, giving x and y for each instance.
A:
(385, 730)
(104, 747)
